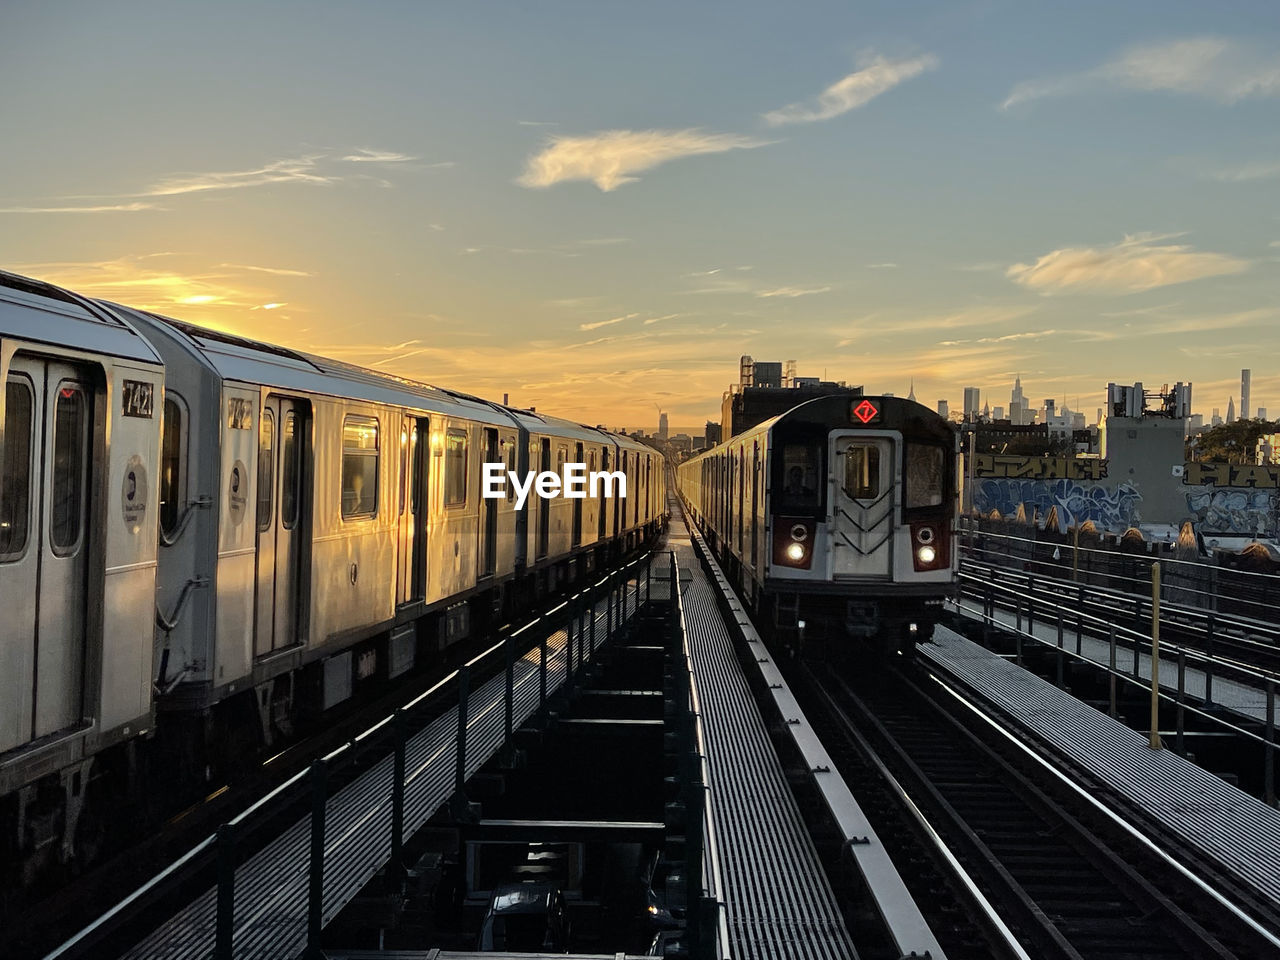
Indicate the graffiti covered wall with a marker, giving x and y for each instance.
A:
(1219, 498)
(1234, 498)
(1109, 508)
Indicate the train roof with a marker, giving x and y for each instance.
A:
(839, 410)
(41, 312)
(244, 360)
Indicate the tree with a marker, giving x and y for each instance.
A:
(1230, 442)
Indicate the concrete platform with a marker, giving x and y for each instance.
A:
(1223, 824)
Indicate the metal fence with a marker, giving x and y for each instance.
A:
(281, 877)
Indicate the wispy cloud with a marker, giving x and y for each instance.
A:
(653, 320)
(1214, 68)
(877, 75)
(607, 323)
(369, 155)
(276, 271)
(572, 302)
(291, 170)
(1007, 338)
(882, 266)
(612, 158)
(95, 208)
(537, 123)
(1248, 172)
(791, 292)
(1139, 262)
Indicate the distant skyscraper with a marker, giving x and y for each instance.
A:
(944, 410)
(1216, 419)
(972, 397)
(997, 413)
(912, 395)
(1231, 409)
(1018, 401)
(1245, 376)
(662, 425)
(1262, 413)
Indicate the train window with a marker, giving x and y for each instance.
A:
(289, 471)
(510, 457)
(924, 475)
(15, 480)
(359, 468)
(70, 465)
(404, 469)
(266, 468)
(862, 471)
(171, 469)
(455, 468)
(800, 490)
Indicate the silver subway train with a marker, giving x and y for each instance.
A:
(836, 519)
(204, 538)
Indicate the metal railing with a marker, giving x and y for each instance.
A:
(1016, 594)
(1244, 596)
(567, 637)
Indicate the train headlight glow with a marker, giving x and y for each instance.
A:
(927, 554)
(795, 551)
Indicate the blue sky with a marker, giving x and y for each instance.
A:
(596, 207)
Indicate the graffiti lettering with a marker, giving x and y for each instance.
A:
(1257, 477)
(1038, 468)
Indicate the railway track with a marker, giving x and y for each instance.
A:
(1062, 882)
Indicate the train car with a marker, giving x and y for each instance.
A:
(836, 519)
(205, 539)
(79, 491)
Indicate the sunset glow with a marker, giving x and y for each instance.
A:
(523, 204)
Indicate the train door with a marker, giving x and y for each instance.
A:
(600, 505)
(281, 519)
(862, 523)
(489, 512)
(577, 504)
(620, 503)
(45, 541)
(412, 556)
(755, 502)
(544, 505)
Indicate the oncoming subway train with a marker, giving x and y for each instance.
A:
(837, 519)
(204, 539)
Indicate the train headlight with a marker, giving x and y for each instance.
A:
(926, 554)
(795, 552)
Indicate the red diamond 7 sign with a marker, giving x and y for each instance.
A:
(866, 411)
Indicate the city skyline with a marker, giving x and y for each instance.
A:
(596, 209)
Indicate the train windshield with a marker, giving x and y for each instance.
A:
(801, 488)
(924, 476)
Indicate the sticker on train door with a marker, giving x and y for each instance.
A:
(133, 495)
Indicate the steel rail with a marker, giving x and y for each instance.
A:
(1130, 831)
